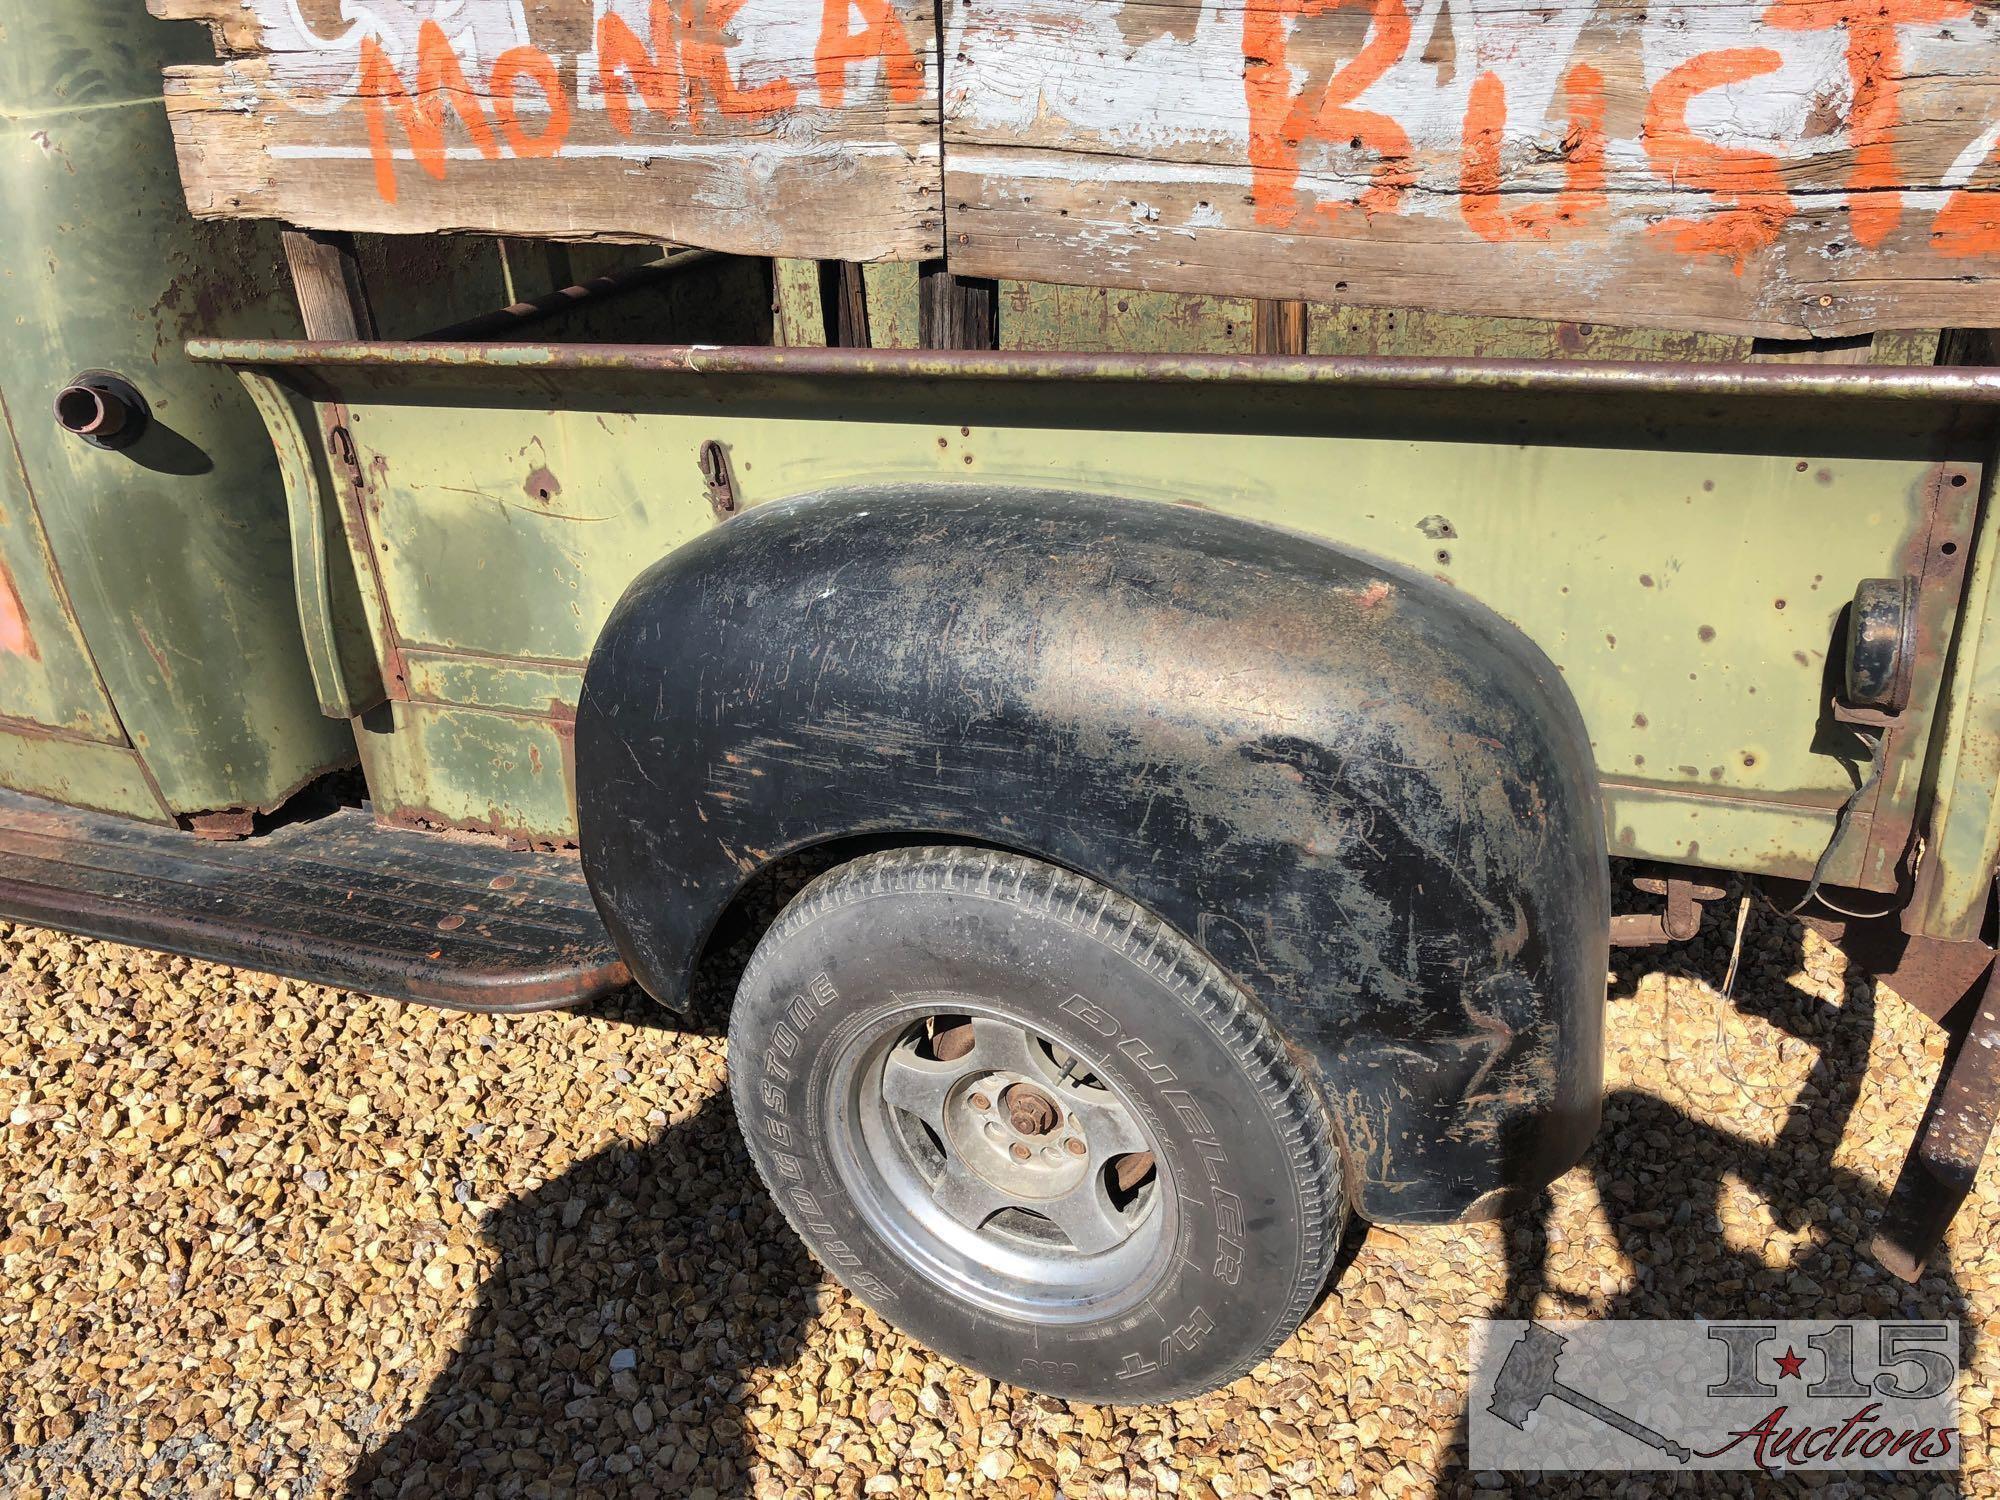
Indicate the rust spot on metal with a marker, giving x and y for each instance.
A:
(417, 815)
(223, 827)
(953, 1042)
(1645, 580)
(714, 463)
(451, 923)
(1029, 1110)
(542, 485)
(1706, 633)
(153, 650)
(1374, 593)
(1132, 1169)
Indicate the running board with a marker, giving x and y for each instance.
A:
(340, 900)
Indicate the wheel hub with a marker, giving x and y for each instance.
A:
(1030, 1111)
(1012, 1157)
(1016, 1138)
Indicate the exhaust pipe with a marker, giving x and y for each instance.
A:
(102, 409)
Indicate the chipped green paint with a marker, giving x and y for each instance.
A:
(81, 773)
(521, 687)
(468, 768)
(171, 559)
(514, 492)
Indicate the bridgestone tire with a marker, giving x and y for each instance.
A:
(1248, 1188)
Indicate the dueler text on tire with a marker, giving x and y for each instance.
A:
(1032, 1126)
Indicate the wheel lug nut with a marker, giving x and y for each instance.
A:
(980, 1101)
(1074, 1146)
(1021, 1152)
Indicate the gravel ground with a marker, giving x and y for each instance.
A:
(260, 1238)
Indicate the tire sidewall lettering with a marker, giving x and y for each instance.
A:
(833, 983)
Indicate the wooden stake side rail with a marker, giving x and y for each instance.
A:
(1774, 168)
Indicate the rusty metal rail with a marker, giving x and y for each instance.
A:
(1939, 384)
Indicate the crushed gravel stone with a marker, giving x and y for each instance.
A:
(259, 1238)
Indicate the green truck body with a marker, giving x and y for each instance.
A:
(400, 553)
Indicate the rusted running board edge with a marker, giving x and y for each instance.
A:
(341, 900)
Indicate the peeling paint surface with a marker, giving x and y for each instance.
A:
(1615, 559)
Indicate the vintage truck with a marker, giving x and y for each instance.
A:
(1206, 524)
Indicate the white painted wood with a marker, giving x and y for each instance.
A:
(1780, 168)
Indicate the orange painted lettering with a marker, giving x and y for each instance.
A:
(534, 65)
(655, 72)
(881, 35)
(1281, 122)
(1747, 180)
(440, 85)
(1583, 160)
(705, 54)
(1875, 69)
(1969, 222)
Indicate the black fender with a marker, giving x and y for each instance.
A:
(1368, 798)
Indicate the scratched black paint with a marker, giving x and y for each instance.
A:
(1370, 799)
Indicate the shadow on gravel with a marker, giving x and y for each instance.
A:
(610, 1346)
(1660, 1174)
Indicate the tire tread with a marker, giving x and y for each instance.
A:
(1297, 1113)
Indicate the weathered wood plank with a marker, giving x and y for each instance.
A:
(1772, 168)
(1778, 168)
(762, 127)
(1278, 327)
(327, 278)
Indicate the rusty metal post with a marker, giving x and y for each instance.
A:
(1950, 1143)
(957, 312)
(327, 276)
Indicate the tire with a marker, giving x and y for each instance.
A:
(915, 1021)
